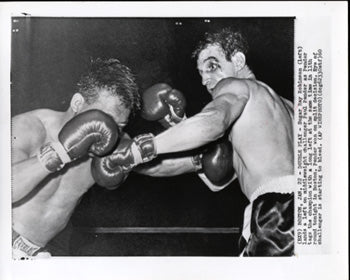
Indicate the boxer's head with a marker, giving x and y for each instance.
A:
(108, 86)
(221, 55)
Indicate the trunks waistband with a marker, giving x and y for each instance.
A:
(281, 185)
(22, 247)
(284, 184)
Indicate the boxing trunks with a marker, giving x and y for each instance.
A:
(23, 249)
(268, 228)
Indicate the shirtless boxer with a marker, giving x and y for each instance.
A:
(51, 149)
(260, 126)
(166, 105)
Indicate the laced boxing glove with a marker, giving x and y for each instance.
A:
(164, 104)
(216, 162)
(107, 171)
(91, 132)
(139, 150)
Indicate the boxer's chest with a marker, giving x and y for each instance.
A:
(64, 186)
(72, 182)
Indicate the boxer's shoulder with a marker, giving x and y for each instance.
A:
(29, 122)
(262, 94)
(232, 89)
(262, 89)
(37, 120)
(232, 85)
(288, 103)
(28, 131)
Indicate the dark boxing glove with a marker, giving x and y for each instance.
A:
(217, 162)
(108, 171)
(139, 150)
(164, 104)
(91, 132)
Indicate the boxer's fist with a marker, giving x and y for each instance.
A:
(139, 150)
(107, 171)
(92, 131)
(89, 132)
(217, 162)
(164, 104)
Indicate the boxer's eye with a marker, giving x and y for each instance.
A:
(212, 67)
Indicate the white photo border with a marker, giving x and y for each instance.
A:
(333, 265)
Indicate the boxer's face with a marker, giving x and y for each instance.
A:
(111, 105)
(213, 66)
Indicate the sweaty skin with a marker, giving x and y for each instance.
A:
(259, 121)
(44, 202)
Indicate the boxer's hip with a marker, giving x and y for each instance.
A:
(283, 184)
(269, 219)
(22, 248)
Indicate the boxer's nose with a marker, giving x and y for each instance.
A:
(205, 79)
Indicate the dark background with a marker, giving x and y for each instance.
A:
(48, 57)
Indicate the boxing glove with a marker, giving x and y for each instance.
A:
(164, 104)
(92, 132)
(217, 162)
(139, 150)
(107, 171)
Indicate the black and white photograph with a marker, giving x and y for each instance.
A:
(186, 136)
(165, 137)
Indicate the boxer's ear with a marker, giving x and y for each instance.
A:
(77, 102)
(238, 60)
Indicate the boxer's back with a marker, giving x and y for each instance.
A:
(262, 138)
(45, 211)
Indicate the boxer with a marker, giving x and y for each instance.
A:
(166, 105)
(260, 124)
(52, 150)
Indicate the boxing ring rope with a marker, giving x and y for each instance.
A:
(166, 230)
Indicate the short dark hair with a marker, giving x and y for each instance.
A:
(229, 40)
(112, 75)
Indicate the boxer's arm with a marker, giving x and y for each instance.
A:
(289, 106)
(208, 125)
(166, 167)
(177, 166)
(28, 134)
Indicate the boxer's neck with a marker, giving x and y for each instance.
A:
(54, 121)
(246, 73)
(67, 116)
